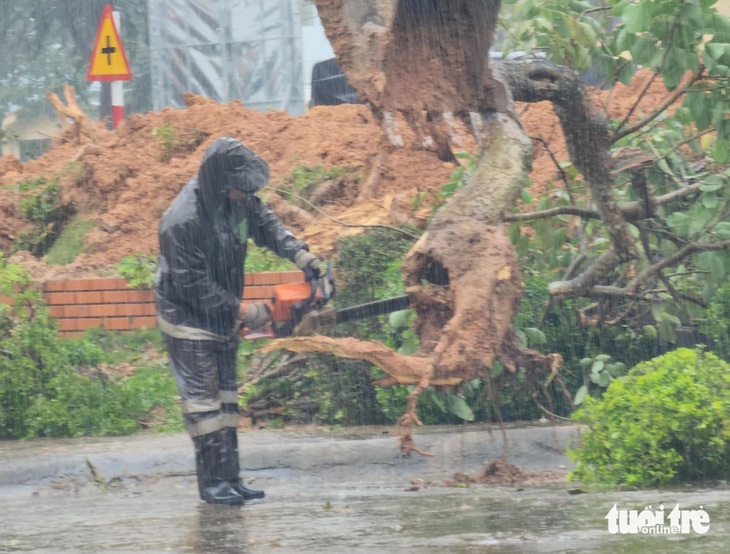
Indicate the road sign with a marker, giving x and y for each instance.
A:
(108, 59)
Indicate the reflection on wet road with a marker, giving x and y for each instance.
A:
(164, 515)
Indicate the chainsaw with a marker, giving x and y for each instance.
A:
(302, 309)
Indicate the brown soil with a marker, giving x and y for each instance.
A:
(502, 473)
(119, 179)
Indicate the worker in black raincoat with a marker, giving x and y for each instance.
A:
(198, 291)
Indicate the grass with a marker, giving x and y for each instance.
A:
(70, 242)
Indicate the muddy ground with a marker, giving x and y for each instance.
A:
(328, 491)
(124, 180)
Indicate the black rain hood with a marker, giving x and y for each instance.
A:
(228, 164)
(203, 236)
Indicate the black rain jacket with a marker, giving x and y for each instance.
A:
(199, 278)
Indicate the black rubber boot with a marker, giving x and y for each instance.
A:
(232, 468)
(210, 459)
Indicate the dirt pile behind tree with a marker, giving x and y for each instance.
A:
(125, 179)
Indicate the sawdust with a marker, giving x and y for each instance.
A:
(121, 182)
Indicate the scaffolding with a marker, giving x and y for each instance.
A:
(250, 50)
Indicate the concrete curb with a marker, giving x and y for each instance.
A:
(299, 455)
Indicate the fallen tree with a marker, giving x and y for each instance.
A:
(462, 276)
(426, 59)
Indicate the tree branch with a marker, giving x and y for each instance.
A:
(583, 283)
(563, 175)
(585, 213)
(671, 99)
(631, 211)
(687, 250)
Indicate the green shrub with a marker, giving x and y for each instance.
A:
(30, 354)
(168, 140)
(45, 213)
(76, 405)
(667, 421)
(82, 352)
(138, 270)
(50, 386)
(262, 259)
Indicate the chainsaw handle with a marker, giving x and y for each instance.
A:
(312, 278)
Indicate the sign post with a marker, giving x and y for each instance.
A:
(108, 61)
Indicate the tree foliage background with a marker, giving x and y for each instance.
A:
(47, 44)
(658, 258)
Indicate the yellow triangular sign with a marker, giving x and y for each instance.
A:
(108, 59)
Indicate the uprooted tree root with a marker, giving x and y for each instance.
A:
(464, 283)
(423, 59)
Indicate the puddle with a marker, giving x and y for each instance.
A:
(164, 515)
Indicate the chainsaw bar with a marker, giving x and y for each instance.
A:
(372, 309)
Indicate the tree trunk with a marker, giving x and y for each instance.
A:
(462, 277)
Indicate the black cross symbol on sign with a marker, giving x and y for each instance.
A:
(109, 50)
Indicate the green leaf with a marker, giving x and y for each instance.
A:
(617, 369)
(459, 407)
(581, 32)
(520, 339)
(650, 331)
(710, 200)
(544, 23)
(712, 183)
(604, 379)
(721, 25)
(635, 18)
(712, 262)
(597, 367)
(398, 319)
(717, 50)
(535, 336)
(644, 49)
(624, 40)
(580, 395)
(679, 222)
(526, 197)
(720, 151)
(722, 230)
(675, 67)
(700, 107)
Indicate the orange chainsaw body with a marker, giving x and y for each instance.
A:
(287, 297)
(291, 302)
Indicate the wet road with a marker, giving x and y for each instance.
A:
(325, 494)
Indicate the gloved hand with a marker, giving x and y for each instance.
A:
(256, 315)
(308, 263)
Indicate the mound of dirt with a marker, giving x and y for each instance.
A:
(125, 179)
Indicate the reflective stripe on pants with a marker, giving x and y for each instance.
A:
(205, 372)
